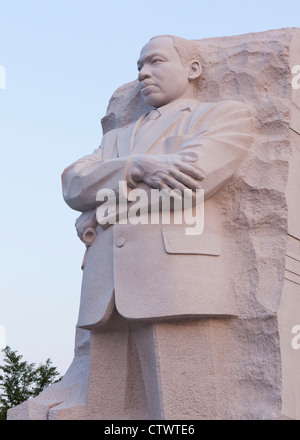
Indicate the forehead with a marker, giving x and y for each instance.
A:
(163, 46)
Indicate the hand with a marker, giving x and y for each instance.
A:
(85, 221)
(168, 171)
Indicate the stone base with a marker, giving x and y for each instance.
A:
(64, 400)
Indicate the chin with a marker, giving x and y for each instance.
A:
(153, 101)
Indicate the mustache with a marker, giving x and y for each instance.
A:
(147, 83)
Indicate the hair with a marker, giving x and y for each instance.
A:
(187, 49)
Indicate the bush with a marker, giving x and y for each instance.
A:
(21, 380)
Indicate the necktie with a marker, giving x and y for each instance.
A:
(153, 115)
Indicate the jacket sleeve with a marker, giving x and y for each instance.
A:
(222, 138)
(82, 180)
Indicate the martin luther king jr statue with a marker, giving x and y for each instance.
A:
(151, 292)
(147, 288)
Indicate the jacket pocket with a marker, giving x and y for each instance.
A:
(177, 242)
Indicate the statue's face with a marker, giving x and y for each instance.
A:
(162, 76)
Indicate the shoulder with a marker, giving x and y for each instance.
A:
(222, 106)
(111, 134)
(221, 111)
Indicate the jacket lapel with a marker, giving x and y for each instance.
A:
(162, 127)
(157, 131)
(126, 144)
(125, 139)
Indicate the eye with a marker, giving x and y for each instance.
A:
(157, 60)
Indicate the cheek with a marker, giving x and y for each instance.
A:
(169, 85)
(164, 75)
(176, 85)
(174, 78)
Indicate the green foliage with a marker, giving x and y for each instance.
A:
(20, 380)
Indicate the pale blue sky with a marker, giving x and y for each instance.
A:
(63, 60)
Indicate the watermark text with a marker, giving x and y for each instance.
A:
(156, 206)
(296, 78)
(296, 338)
(2, 77)
(2, 337)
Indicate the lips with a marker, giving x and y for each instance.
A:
(147, 88)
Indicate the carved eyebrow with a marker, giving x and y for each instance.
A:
(150, 56)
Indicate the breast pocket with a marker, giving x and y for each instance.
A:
(177, 242)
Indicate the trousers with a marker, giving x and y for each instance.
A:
(153, 370)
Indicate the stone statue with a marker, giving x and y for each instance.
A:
(168, 320)
(148, 284)
(188, 145)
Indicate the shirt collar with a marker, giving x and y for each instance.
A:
(184, 104)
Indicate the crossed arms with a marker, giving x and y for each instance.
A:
(207, 157)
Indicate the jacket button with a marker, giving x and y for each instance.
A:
(120, 242)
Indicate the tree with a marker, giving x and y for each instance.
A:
(21, 380)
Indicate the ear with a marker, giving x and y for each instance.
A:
(195, 69)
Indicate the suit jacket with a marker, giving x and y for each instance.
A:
(156, 272)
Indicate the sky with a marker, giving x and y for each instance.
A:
(62, 61)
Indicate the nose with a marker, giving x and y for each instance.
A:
(144, 73)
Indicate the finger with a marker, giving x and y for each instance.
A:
(156, 183)
(190, 170)
(162, 180)
(188, 181)
(175, 183)
(148, 181)
(189, 156)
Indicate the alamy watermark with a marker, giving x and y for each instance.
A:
(2, 77)
(296, 338)
(296, 78)
(2, 337)
(155, 206)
